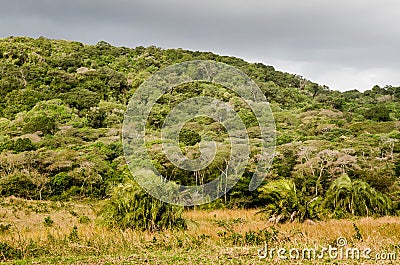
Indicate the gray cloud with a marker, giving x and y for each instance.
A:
(343, 44)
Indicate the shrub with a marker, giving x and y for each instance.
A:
(19, 145)
(60, 183)
(73, 235)
(81, 98)
(48, 221)
(84, 219)
(189, 137)
(47, 125)
(17, 185)
(96, 118)
(4, 228)
(284, 202)
(131, 207)
(8, 252)
(378, 113)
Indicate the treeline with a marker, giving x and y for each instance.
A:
(62, 106)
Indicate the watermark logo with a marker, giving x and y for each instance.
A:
(164, 81)
(340, 251)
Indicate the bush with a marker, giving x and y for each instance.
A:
(17, 185)
(131, 207)
(47, 125)
(284, 202)
(4, 228)
(84, 219)
(19, 145)
(8, 252)
(284, 139)
(60, 183)
(189, 137)
(81, 98)
(48, 221)
(377, 113)
(96, 118)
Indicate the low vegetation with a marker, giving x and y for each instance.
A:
(131, 207)
(211, 237)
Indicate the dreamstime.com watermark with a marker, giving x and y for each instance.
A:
(341, 251)
(162, 83)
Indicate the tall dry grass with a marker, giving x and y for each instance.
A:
(219, 233)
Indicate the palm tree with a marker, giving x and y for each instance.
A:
(356, 197)
(284, 202)
(131, 207)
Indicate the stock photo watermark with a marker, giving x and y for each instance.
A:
(340, 251)
(163, 82)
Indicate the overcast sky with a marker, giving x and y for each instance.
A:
(351, 44)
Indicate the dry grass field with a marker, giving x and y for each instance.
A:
(33, 232)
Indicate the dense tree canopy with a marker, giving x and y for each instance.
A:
(62, 105)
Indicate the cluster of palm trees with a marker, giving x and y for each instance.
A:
(129, 206)
(344, 197)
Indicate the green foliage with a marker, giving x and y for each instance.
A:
(84, 219)
(48, 221)
(284, 162)
(22, 100)
(96, 118)
(81, 98)
(248, 118)
(8, 252)
(357, 231)
(189, 137)
(60, 183)
(397, 168)
(4, 228)
(131, 207)
(284, 139)
(378, 113)
(76, 95)
(284, 202)
(346, 196)
(18, 146)
(40, 123)
(73, 235)
(17, 185)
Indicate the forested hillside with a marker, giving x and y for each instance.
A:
(62, 106)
